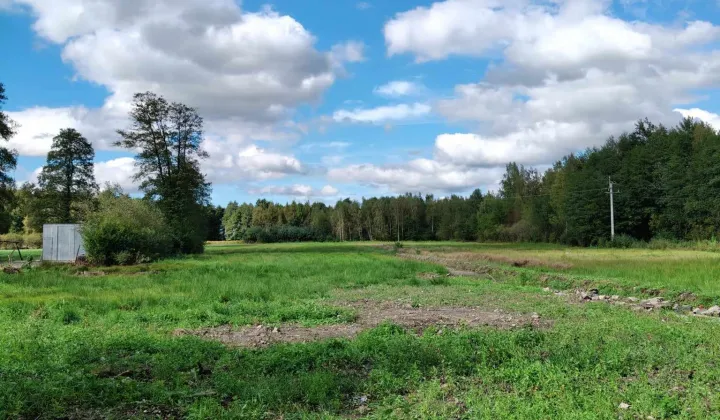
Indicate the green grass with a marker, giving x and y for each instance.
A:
(4, 253)
(102, 346)
(670, 271)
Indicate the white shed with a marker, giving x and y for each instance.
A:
(62, 243)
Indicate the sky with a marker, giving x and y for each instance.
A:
(323, 100)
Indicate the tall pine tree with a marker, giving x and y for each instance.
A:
(67, 179)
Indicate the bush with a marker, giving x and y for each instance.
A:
(126, 231)
(621, 242)
(522, 231)
(274, 234)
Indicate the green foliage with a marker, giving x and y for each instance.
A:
(67, 180)
(8, 161)
(126, 231)
(168, 137)
(621, 242)
(214, 216)
(285, 233)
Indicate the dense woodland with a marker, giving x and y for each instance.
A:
(667, 185)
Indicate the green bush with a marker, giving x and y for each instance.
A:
(285, 233)
(621, 242)
(126, 231)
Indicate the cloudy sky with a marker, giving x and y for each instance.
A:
(322, 99)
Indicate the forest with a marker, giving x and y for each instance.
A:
(666, 186)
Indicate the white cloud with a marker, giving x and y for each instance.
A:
(297, 190)
(419, 175)
(571, 74)
(382, 114)
(245, 72)
(560, 35)
(363, 5)
(449, 27)
(250, 163)
(118, 171)
(38, 126)
(702, 115)
(398, 88)
(350, 52)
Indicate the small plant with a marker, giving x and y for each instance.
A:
(124, 258)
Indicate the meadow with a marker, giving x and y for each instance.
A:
(86, 342)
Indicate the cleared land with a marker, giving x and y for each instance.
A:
(363, 330)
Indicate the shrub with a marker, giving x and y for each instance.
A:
(622, 242)
(126, 231)
(285, 233)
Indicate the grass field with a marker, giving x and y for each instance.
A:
(106, 342)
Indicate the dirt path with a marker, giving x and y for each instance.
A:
(370, 315)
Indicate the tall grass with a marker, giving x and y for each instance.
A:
(83, 346)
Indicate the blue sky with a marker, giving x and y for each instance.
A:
(323, 100)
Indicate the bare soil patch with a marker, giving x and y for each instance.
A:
(370, 315)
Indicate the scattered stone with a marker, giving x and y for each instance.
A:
(535, 315)
(624, 406)
(546, 289)
(11, 270)
(682, 308)
(276, 330)
(697, 310)
(599, 297)
(655, 303)
(633, 299)
(615, 297)
(712, 311)
(594, 291)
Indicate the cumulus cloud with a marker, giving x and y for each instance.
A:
(702, 115)
(565, 76)
(552, 34)
(382, 114)
(398, 88)
(245, 72)
(419, 175)
(297, 190)
(38, 125)
(251, 163)
(118, 171)
(210, 55)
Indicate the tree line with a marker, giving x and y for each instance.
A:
(667, 186)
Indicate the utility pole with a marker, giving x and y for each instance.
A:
(612, 212)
